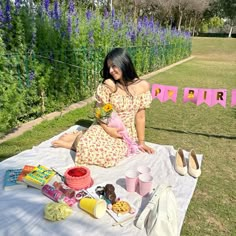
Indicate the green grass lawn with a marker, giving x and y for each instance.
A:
(209, 130)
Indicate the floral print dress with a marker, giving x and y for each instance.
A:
(96, 147)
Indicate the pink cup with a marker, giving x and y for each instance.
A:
(145, 184)
(131, 180)
(143, 169)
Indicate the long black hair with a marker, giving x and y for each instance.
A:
(122, 60)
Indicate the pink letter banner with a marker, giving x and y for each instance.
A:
(204, 96)
(158, 91)
(190, 95)
(164, 92)
(211, 97)
(219, 97)
(170, 93)
(233, 98)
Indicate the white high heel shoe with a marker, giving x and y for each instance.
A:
(193, 165)
(180, 162)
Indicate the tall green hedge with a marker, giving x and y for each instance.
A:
(51, 54)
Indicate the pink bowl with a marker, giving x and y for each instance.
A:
(78, 177)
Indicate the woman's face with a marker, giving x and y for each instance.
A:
(114, 70)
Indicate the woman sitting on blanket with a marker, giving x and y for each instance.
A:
(102, 144)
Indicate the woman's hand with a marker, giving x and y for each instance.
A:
(144, 148)
(114, 132)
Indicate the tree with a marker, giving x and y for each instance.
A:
(211, 24)
(196, 10)
(181, 7)
(163, 11)
(229, 11)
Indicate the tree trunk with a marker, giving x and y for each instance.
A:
(111, 5)
(230, 31)
(135, 13)
(180, 20)
(194, 25)
(190, 24)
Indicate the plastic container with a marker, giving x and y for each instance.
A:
(57, 196)
(52, 193)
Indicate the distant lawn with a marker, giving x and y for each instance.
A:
(209, 130)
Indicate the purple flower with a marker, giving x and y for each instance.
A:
(145, 21)
(31, 75)
(17, 5)
(56, 14)
(71, 7)
(151, 24)
(113, 13)
(116, 24)
(139, 25)
(69, 27)
(8, 14)
(1, 17)
(51, 13)
(163, 39)
(77, 25)
(46, 5)
(157, 25)
(175, 32)
(131, 35)
(106, 13)
(88, 15)
(91, 39)
(187, 35)
(56, 11)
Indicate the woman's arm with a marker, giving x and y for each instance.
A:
(140, 125)
(140, 120)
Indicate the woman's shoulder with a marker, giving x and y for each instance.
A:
(143, 86)
(109, 83)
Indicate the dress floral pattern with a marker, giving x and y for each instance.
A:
(96, 147)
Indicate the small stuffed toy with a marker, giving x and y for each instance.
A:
(108, 194)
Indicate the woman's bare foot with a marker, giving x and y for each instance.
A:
(60, 143)
(68, 141)
(70, 137)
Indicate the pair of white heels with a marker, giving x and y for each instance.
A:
(181, 167)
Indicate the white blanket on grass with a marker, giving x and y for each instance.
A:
(21, 211)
